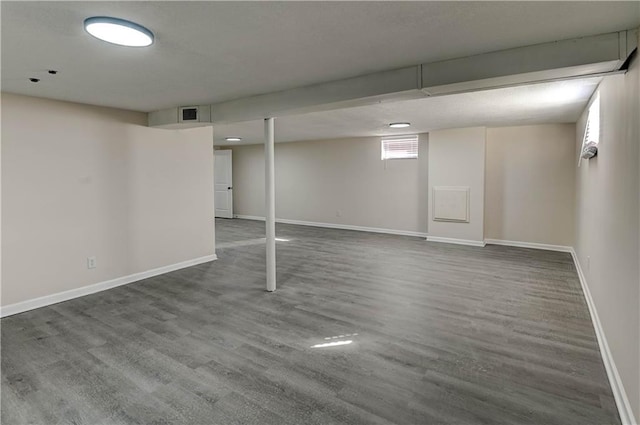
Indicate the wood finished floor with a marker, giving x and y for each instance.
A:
(445, 335)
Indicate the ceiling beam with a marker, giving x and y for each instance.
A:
(529, 64)
(556, 60)
(396, 84)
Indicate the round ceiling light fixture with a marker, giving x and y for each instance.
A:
(399, 124)
(233, 139)
(118, 31)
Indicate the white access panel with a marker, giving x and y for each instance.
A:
(451, 203)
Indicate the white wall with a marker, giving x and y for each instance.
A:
(607, 227)
(457, 158)
(530, 184)
(81, 181)
(317, 180)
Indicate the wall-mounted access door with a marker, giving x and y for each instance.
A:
(223, 195)
(451, 203)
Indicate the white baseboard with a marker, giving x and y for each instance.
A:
(619, 394)
(337, 226)
(544, 246)
(23, 306)
(248, 217)
(455, 241)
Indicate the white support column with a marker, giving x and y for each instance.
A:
(270, 202)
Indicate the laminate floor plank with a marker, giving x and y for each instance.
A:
(440, 334)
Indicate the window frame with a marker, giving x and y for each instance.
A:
(412, 140)
(592, 126)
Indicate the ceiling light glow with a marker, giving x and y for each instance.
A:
(399, 124)
(332, 344)
(233, 139)
(118, 31)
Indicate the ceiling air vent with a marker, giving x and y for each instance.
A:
(189, 114)
(181, 117)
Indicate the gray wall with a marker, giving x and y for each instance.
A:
(607, 228)
(319, 180)
(457, 158)
(530, 184)
(80, 181)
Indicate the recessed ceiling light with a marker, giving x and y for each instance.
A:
(399, 124)
(118, 31)
(233, 139)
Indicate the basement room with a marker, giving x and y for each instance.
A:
(320, 213)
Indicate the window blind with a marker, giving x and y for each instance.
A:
(592, 131)
(400, 147)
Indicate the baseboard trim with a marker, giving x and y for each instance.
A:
(337, 226)
(21, 307)
(619, 394)
(249, 217)
(455, 241)
(544, 246)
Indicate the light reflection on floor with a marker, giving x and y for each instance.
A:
(335, 343)
(332, 344)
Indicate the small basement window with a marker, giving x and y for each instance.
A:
(400, 147)
(592, 130)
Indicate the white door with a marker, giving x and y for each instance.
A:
(223, 195)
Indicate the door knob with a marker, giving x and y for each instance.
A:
(229, 188)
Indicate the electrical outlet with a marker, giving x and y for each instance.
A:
(91, 262)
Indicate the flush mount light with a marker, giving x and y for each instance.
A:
(233, 139)
(399, 124)
(118, 31)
